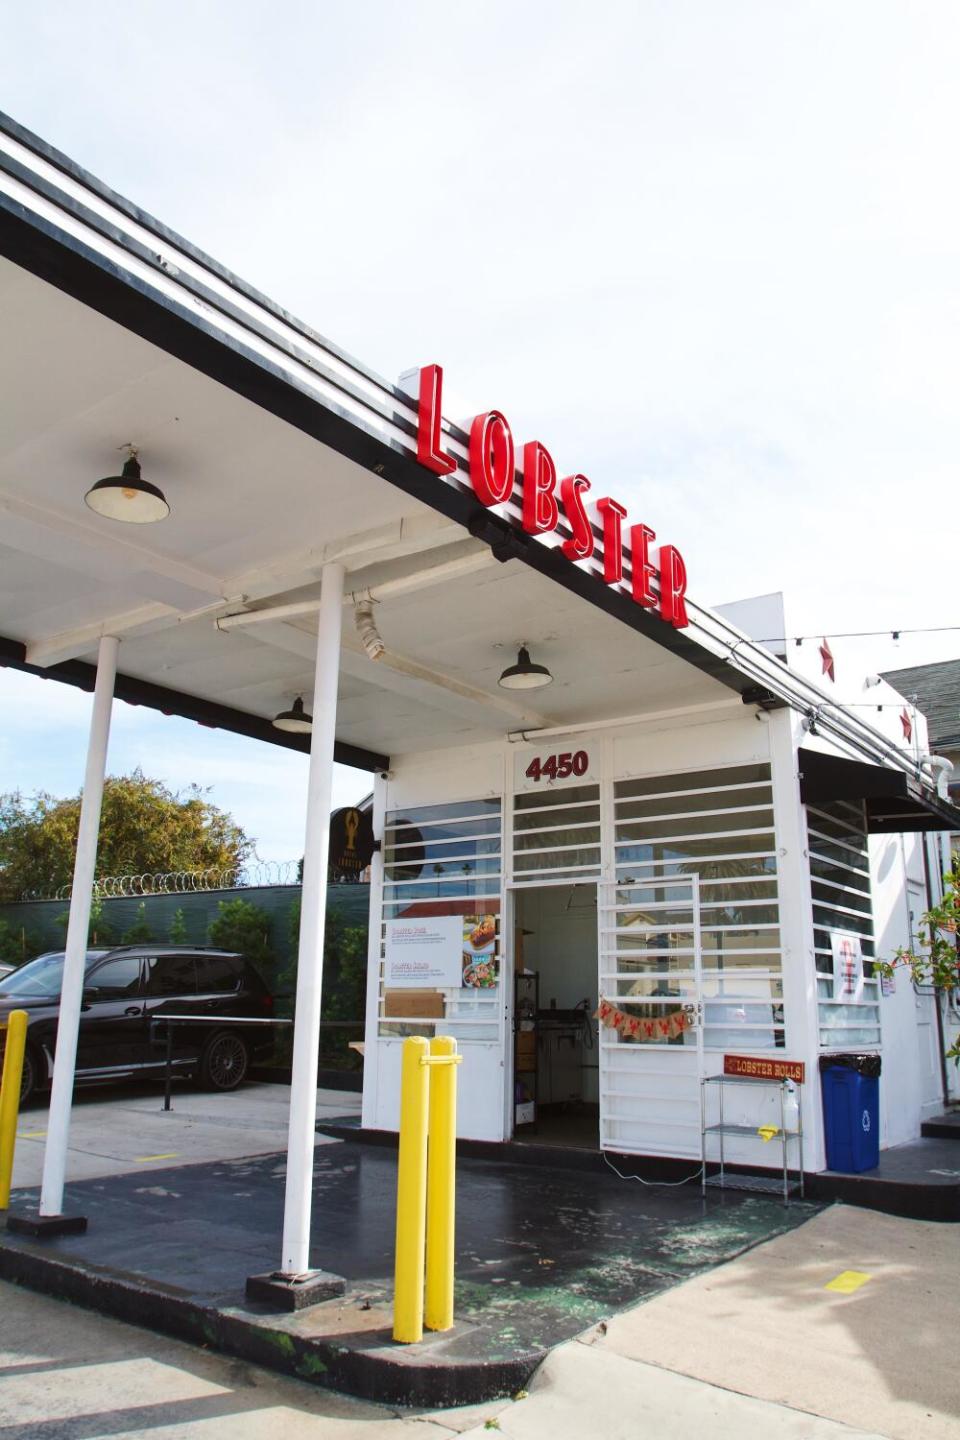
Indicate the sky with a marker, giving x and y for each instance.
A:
(707, 252)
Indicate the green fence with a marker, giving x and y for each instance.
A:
(39, 925)
(34, 926)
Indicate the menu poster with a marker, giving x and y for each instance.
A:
(481, 967)
(424, 952)
(847, 966)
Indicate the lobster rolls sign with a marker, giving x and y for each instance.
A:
(657, 584)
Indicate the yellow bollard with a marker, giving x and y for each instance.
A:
(10, 1098)
(411, 1192)
(441, 1183)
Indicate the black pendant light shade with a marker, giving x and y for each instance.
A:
(525, 675)
(128, 497)
(295, 720)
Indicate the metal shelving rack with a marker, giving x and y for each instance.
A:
(526, 1022)
(791, 1182)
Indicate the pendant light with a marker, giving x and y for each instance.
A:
(525, 675)
(295, 721)
(128, 496)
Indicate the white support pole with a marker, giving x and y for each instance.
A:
(301, 1135)
(74, 965)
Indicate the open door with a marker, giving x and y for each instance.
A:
(650, 970)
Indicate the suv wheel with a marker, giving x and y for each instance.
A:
(31, 1077)
(224, 1062)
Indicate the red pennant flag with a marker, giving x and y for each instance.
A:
(907, 724)
(826, 655)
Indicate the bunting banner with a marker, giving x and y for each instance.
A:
(633, 1027)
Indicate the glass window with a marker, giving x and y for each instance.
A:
(172, 975)
(703, 780)
(221, 974)
(445, 860)
(121, 976)
(42, 976)
(720, 839)
(840, 899)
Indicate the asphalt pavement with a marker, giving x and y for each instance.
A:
(841, 1327)
(121, 1129)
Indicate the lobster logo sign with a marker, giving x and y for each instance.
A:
(351, 842)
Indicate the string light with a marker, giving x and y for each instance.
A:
(859, 634)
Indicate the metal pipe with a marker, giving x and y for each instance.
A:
(74, 963)
(548, 732)
(941, 1037)
(400, 585)
(301, 1134)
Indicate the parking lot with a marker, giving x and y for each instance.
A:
(118, 1129)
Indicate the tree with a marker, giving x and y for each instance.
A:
(344, 984)
(17, 944)
(178, 928)
(145, 829)
(245, 928)
(140, 932)
(932, 957)
(100, 933)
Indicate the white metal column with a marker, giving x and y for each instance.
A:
(371, 1034)
(74, 965)
(306, 1035)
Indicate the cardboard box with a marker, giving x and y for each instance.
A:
(413, 1004)
(525, 1113)
(526, 1050)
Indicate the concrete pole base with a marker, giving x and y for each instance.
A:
(295, 1292)
(44, 1227)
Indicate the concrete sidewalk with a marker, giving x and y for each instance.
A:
(70, 1375)
(879, 1352)
(120, 1129)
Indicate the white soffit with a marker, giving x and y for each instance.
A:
(254, 497)
(259, 502)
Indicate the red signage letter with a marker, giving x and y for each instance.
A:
(491, 458)
(429, 417)
(539, 482)
(673, 586)
(611, 513)
(640, 537)
(580, 546)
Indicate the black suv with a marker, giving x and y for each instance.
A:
(124, 991)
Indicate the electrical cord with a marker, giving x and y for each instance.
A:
(654, 1184)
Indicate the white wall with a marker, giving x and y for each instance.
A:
(893, 860)
(725, 736)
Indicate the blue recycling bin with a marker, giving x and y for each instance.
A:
(851, 1111)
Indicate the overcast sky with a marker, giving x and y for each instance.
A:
(707, 251)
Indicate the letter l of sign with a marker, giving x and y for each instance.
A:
(429, 419)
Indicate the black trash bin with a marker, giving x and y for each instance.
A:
(851, 1111)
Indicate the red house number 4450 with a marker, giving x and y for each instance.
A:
(559, 767)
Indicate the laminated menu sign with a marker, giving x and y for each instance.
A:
(481, 969)
(847, 966)
(424, 952)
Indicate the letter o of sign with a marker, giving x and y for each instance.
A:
(491, 458)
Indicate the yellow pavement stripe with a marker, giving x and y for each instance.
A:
(847, 1282)
(31, 1134)
(172, 1155)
